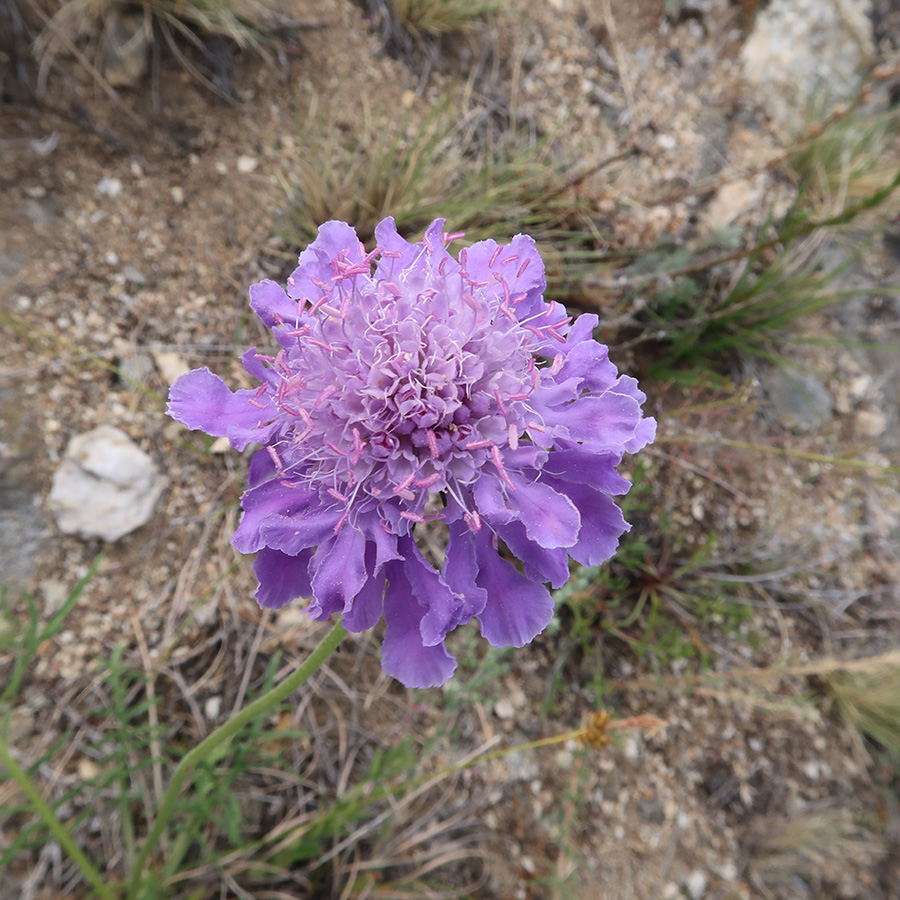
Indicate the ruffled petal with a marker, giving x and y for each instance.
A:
(602, 524)
(605, 422)
(460, 570)
(517, 609)
(540, 564)
(490, 499)
(368, 605)
(644, 434)
(520, 267)
(307, 528)
(273, 306)
(550, 519)
(338, 571)
(402, 253)
(201, 400)
(314, 266)
(404, 655)
(441, 604)
(597, 469)
(270, 499)
(281, 578)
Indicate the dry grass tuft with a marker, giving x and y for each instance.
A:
(868, 699)
(111, 39)
(817, 848)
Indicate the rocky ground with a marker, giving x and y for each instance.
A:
(125, 254)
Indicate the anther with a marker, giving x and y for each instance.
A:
(498, 462)
(325, 394)
(432, 444)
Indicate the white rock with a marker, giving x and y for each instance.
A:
(247, 164)
(109, 187)
(804, 52)
(105, 486)
(171, 366)
(870, 423)
(731, 201)
(695, 884)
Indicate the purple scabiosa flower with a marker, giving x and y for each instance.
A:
(410, 387)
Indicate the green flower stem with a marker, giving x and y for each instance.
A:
(223, 733)
(60, 832)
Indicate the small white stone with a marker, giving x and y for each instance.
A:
(212, 708)
(870, 423)
(109, 187)
(220, 446)
(695, 884)
(666, 142)
(177, 194)
(247, 164)
(171, 366)
(105, 486)
(504, 709)
(221, 168)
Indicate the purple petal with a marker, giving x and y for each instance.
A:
(490, 498)
(540, 564)
(517, 609)
(520, 265)
(550, 519)
(643, 435)
(388, 238)
(314, 263)
(338, 571)
(281, 578)
(602, 524)
(460, 570)
(368, 604)
(309, 527)
(262, 468)
(384, 541)
(201, 400)
(259, 503)
(588, 467)
(441, 604)
(273, 306)
(603, 422)
(403, 653)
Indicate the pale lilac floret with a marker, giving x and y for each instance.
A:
(409, 387)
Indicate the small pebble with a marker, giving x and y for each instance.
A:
(247, 164)
(109, 187)
(695, 884)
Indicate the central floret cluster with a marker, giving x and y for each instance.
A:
(424, 388)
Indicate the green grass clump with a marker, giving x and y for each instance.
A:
(744, 294)
(434, 17)
(450, 163)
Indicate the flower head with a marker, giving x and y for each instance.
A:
(410, 387)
